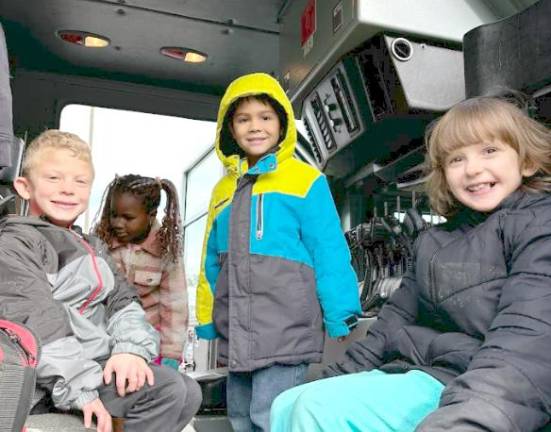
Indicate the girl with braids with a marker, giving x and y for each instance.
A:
(149, 254)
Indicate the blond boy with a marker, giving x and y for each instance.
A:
(96, 342)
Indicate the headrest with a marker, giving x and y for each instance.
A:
(8, 174)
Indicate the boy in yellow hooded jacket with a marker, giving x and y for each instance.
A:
(275, 266)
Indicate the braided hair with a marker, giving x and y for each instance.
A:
(148, 191)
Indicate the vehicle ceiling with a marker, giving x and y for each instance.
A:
(239, 36)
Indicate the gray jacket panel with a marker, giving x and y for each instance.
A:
(282, 322)
(81, 309)
(266, 308)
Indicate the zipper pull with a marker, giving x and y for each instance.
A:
(15, 338)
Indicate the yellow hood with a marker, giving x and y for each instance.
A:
(249, 85)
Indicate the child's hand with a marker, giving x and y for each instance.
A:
(169, 362)
(127, 367)
(103, 418)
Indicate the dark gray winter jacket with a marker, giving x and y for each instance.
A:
(476, 314)
(66, 289)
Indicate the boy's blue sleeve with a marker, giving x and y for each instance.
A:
(336, 281)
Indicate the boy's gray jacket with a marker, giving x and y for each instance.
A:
(476, 314)
(65, 287)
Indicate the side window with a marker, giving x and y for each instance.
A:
(199, 180)
(130, 142)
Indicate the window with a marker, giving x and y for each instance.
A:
(193, 244)
(199, 181)
(129, 142)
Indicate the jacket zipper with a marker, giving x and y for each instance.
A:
(30, 358)
(221, 203)
(98, 289)
(259, 217)
(25, 356)
(431, 277)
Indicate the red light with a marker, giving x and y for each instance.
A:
(184, 54)
(76, 38)
(85, 39)
(175, 53)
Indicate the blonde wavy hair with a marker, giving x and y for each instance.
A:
(478, 120)
(56, 140)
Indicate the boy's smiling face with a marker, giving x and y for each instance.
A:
(58, 186)
(256, 128)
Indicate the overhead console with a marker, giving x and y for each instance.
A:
(378, 99)
(367, 76)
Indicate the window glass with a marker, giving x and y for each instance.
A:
(201, 179)
(129, 142)
(193, 245)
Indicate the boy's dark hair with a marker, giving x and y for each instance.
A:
(148, 191)
(228, 146)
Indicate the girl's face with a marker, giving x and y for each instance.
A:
(129, 220)
(482, 175)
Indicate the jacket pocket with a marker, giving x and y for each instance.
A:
(147, 278)
(284, 318)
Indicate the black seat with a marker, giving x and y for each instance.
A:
(8, 174)
(6, 127)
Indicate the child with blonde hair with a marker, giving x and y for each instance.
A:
(463, 344)
(95, 340)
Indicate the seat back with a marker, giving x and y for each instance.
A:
(6, 126)
(8, 175)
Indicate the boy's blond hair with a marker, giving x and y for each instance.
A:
(55, 140)
(477, 120)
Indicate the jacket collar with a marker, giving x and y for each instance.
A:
(517, 200)
(266, 164)
(522, 199)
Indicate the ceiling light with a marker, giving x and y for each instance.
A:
(195, 57)
(85, 39)
(184, 54)
(95, 42)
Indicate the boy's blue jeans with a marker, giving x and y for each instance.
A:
(250, 394)
(366, 401)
